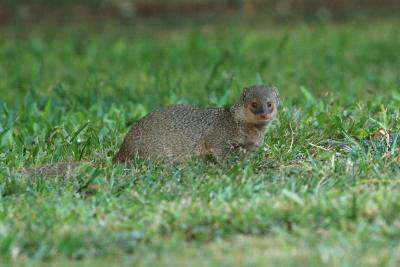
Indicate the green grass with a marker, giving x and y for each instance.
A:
(323, 191)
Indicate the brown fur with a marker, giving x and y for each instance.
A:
(179, 132)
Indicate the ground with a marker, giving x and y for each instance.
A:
(322, 191)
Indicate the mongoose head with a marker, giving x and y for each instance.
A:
(258, 104)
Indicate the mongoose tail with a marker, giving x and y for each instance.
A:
(55, 169)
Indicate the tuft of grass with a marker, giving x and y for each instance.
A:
(323, 190)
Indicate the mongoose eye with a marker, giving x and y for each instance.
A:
(254, 104)
(269, 104)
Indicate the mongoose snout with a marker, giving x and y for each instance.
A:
(181, 131)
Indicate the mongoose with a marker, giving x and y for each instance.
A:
(181, 131)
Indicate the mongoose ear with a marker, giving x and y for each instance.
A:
(245, 93)
(275, 95)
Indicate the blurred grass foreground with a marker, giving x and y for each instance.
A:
(323, 190)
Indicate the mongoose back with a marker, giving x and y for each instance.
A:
(180, 131)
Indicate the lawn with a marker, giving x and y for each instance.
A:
(323, 191)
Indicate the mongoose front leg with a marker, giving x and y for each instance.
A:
(249, 147)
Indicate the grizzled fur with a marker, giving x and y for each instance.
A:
(182, 131)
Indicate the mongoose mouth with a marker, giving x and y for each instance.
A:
(264, 117)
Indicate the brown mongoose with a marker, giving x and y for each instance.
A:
(182, 131)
